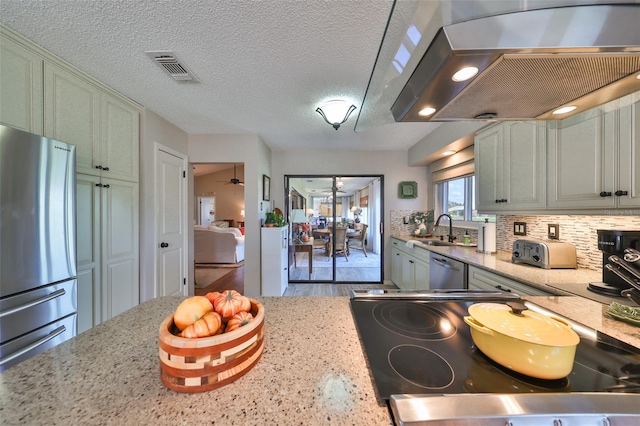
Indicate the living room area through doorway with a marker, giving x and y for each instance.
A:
(218, 222)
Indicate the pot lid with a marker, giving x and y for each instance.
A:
(515, 320)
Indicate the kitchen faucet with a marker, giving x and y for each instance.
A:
(450, 236)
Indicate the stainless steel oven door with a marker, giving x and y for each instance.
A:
(564, 409)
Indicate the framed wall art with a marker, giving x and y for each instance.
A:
(408, 190)
(266, 188)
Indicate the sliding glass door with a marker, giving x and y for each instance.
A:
(335, 224)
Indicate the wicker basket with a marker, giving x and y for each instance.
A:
(197, 365)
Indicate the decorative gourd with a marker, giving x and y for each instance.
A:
(212, 296)
(229, 303)
(190, 311)
(238, 320)
(208, 325)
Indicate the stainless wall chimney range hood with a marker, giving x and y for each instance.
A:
(529, 64)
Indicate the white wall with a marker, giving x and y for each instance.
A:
(391, 164)
(256, 156)
(153, 128)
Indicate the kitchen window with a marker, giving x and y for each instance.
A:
(455, 189)
(457, 197)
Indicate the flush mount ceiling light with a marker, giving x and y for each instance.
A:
(335, 112)
(448, 153)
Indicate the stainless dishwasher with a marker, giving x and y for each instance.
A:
(445, 272)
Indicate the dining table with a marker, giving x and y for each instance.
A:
(320, 233)
(304, 247)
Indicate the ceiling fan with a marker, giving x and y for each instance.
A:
(235, 180)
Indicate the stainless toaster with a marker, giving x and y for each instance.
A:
(544, 254)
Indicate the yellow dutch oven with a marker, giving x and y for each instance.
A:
(522, 340)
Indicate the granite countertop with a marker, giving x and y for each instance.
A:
(548, 280)
(313, 371)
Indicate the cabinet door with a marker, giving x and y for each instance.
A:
(71, 114)
(120, 139)
(581, 152)
(21, 85)
(420, 275)
(88, 252)
(523, 174)
(275, 261)
(396, 266)
(488, 169)
(119, 247)
(407, 280)
(629, 156)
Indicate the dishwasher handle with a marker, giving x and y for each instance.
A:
(443, 263)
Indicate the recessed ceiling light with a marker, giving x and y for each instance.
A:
(426, 111)
(465, 74)
(564, 110)
(448, 153)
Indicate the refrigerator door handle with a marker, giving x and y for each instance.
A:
(35, 302)
(34, 345)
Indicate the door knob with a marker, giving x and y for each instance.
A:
(164, 245)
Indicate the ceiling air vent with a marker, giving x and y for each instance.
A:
(168, 61)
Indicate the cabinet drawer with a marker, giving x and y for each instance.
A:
(479, 278)
(416, 252)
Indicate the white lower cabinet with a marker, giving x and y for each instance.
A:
(275, 260)
(484, 280)
(409, 266)
(108, 262)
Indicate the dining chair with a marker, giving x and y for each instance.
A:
(358, 240)
(341, 243)
(320, 242)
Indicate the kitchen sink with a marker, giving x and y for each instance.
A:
(437, 243)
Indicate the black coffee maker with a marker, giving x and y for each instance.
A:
(614, 243)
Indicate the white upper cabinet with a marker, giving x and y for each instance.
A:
(20, 86)
(509, 167)
(593, 160)
(629, 156)
(72, 114)
(42, 94)
(104, 129)
(120, 140)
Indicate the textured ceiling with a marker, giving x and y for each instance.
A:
(263, 66)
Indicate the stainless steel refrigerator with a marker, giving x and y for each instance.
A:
(38, 286)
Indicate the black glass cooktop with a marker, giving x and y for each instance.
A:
(424, 347)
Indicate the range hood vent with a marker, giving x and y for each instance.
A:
(168, 61)
(529, 64)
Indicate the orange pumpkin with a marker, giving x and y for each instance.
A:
(208, 325)
(238, 320)
(212, 296)
(229, 303)
(190, 311)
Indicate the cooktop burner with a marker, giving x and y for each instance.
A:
(421, 367)
(417, 321)
(424, 347)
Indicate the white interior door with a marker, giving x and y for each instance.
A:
(170, 223)
(207, 209)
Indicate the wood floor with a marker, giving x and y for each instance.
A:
(232, 281)
(235, 281)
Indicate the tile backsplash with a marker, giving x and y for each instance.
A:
(579, 230)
